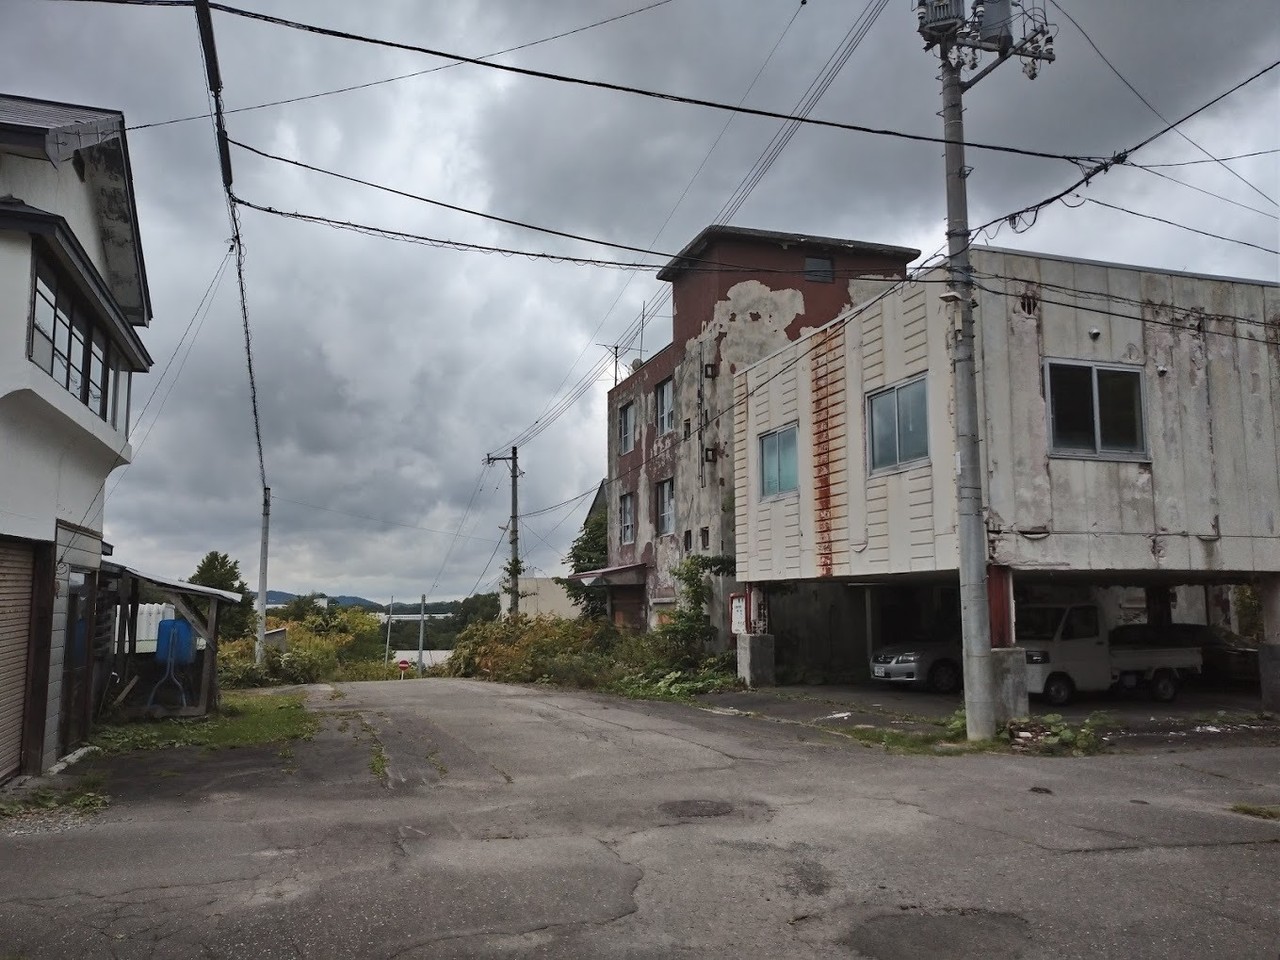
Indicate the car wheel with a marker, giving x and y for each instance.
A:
(1059, 689)
(1164, 686)
(944, 677)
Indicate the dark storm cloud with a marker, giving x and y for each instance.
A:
(386, 371)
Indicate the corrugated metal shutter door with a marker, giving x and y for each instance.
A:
(16, 567)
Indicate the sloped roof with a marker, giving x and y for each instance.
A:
(49, 115)
(57, 131)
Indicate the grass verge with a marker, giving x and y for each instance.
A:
(243, 721)
(1261, 811)
(86, 796)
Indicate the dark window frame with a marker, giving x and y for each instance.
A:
(627, 518)
(627, 427)
(820, 269)
(665, 419)
(1098, 450)
(71, 342)
(778, 490)
(898, 462)
(664, 521)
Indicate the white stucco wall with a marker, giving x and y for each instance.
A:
(56, 188)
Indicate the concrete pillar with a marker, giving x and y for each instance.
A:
(1269, 651)
(1009, 664)
(756, 660)
(1159, 606)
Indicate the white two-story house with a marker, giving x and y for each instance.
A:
(73, 299)
(1129, 423)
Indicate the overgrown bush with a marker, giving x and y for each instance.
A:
(588, 654)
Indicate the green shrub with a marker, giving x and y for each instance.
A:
(588, 654)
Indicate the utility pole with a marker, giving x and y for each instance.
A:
(422, 630)
(260, 645)
(944, 24)
(513, 585)
(391, 612)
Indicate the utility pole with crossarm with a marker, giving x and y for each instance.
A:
(961, 39)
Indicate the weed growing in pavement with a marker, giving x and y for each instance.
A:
(1258, 810)
(86, 796)
(378, 761)
(1051, 734)
(242, 721)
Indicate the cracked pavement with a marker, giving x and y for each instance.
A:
(528, 822)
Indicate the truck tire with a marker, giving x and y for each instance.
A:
(1164, 686)
(1058, 689)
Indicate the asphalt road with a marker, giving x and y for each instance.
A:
(521, 822)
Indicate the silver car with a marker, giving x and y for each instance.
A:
(928, 664)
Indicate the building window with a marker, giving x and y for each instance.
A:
(665, 404)
(705, 534)
(666, 503)
(819, 269)
(1094, 410)
(899, 425)
(68, 342)
(778, 472)
(627, 518)
(688, 540)
(626, 428)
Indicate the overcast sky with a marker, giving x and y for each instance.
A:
(387, 371)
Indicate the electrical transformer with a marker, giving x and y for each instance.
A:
(997, 21)
(939, 18)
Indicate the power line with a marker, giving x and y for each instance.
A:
(1180, 226)
(1150, 106)
(1238, 156)
(562, 503)
(533, 430)
(209, 56)
(404, 76)
(484, 469)
(210, 294)
(447, 206)
(1208, 193)
(1120, 158)
(746, 186)
(364, 516)
(623, 88)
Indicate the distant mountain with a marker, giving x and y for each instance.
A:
(283, 596)
(345, 601)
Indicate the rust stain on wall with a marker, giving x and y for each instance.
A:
(828, 384)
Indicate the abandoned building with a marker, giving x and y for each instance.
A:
(737, 295)
(1128, 429)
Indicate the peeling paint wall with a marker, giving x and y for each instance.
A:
(1207, 498)
(723, 321)
(1204, 500)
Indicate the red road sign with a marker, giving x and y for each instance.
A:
(404, 666)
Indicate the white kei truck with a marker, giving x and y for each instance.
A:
(1068, 652)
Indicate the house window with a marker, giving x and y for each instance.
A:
(68, 342)
(626, 428)
(1094, 410)
(705, 534)
(778, 462)
(666, 503)
(899, 425)
(819, 269)
(665, 404)
(688, 540)
(627, 518)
